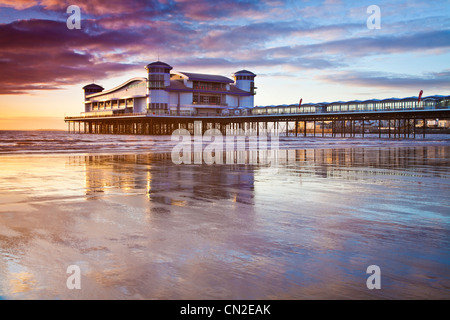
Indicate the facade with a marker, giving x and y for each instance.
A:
(165, 92)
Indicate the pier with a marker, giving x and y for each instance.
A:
(166, 100)
(391, 124)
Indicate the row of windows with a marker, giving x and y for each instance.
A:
(135, 85)
(90, 91)
(444, 103)
(209, 85)
(382, 106)
(245, 77)
(156, 85)
(112, 104)
(156, 77)
(158, 106)
(159, 70)
(206, 99)
(156, 81)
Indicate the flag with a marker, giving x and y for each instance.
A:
(300, 103)
(420, 95)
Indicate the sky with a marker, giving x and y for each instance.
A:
(319, 51)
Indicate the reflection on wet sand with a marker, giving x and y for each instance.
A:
(164, 181)
(22, 282)
(141, 227)
(156, 174)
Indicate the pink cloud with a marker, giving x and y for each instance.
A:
(43, 54)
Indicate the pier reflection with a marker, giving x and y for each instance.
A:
(166, 182)
(180, 184)
(343, 162)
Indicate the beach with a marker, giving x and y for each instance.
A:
(140, 226)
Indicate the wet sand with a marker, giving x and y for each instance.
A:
(141, 227)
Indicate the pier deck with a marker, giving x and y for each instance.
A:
(393, 123)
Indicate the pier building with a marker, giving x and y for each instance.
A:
(166, 92)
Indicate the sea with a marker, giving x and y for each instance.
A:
(87, 216)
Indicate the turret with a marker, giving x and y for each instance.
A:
(158, 79)
(245, 80)
(91, 89)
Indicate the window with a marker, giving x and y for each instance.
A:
(159, 70)
(206, 99)
(202, 85)
(244, 77)
(443, 103)
(252, 87)
(158, 106)
(156, 81)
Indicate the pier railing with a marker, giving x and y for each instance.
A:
(139, 114)
(244, 113)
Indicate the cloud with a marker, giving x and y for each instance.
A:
(386, 44)
(367, 46)
(94, 7)
(245, 37)
(119, 36)
(18, 4)
(434, 80)
(206, 10)
(191, 9)
(44, 54)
